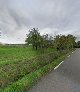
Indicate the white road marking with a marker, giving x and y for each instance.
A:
(58, 65)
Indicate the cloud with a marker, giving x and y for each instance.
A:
(50, 16)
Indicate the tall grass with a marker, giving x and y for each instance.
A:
(16, 63)
(12, 72)
(10, 55)
(27, 81)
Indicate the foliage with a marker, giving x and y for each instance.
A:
(47, 41)
(77, 45)
(62, 42)
(34, 38)
(20, 66)
(37, 41)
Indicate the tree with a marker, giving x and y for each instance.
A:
(63, 42)
(71, 41)
(47, 41)
(34, 38)
(77, 45)
(60, 42)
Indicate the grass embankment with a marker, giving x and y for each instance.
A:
(21, 67)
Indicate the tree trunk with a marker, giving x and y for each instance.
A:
(36, 47)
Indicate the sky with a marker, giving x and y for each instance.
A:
(17, 17)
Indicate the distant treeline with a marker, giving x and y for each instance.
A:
(60, 42)
(14, 45)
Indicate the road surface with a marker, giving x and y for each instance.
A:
(64, 79)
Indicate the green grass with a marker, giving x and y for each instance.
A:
(15, 53)
(10, 73)
(20, 66)
(29, 80)
(10, 55)
(16, 62)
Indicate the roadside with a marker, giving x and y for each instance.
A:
(30, 79)
(65, 78)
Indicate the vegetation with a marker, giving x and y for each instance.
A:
(34, 38)
(12, 71)
(63, 42)
(27, 81)
(77, 44)
(9, 54)
(16, 62)
(60, 42)
(21, 66)
(37, 41)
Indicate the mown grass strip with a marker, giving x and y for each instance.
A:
(30, 79)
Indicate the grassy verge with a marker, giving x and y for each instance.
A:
(23, 84)
(12, 72)
(11, 55)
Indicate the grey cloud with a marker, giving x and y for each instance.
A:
(53, 16)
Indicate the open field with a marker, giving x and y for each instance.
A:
(17, 63)
(19, 53)
(15, 54)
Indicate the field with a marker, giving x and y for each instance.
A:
(18, 64)
(14, 54)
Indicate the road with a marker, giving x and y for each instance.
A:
(64, 79)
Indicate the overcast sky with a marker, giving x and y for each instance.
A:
(50, 16)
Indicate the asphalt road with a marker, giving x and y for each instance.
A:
(64, 79)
